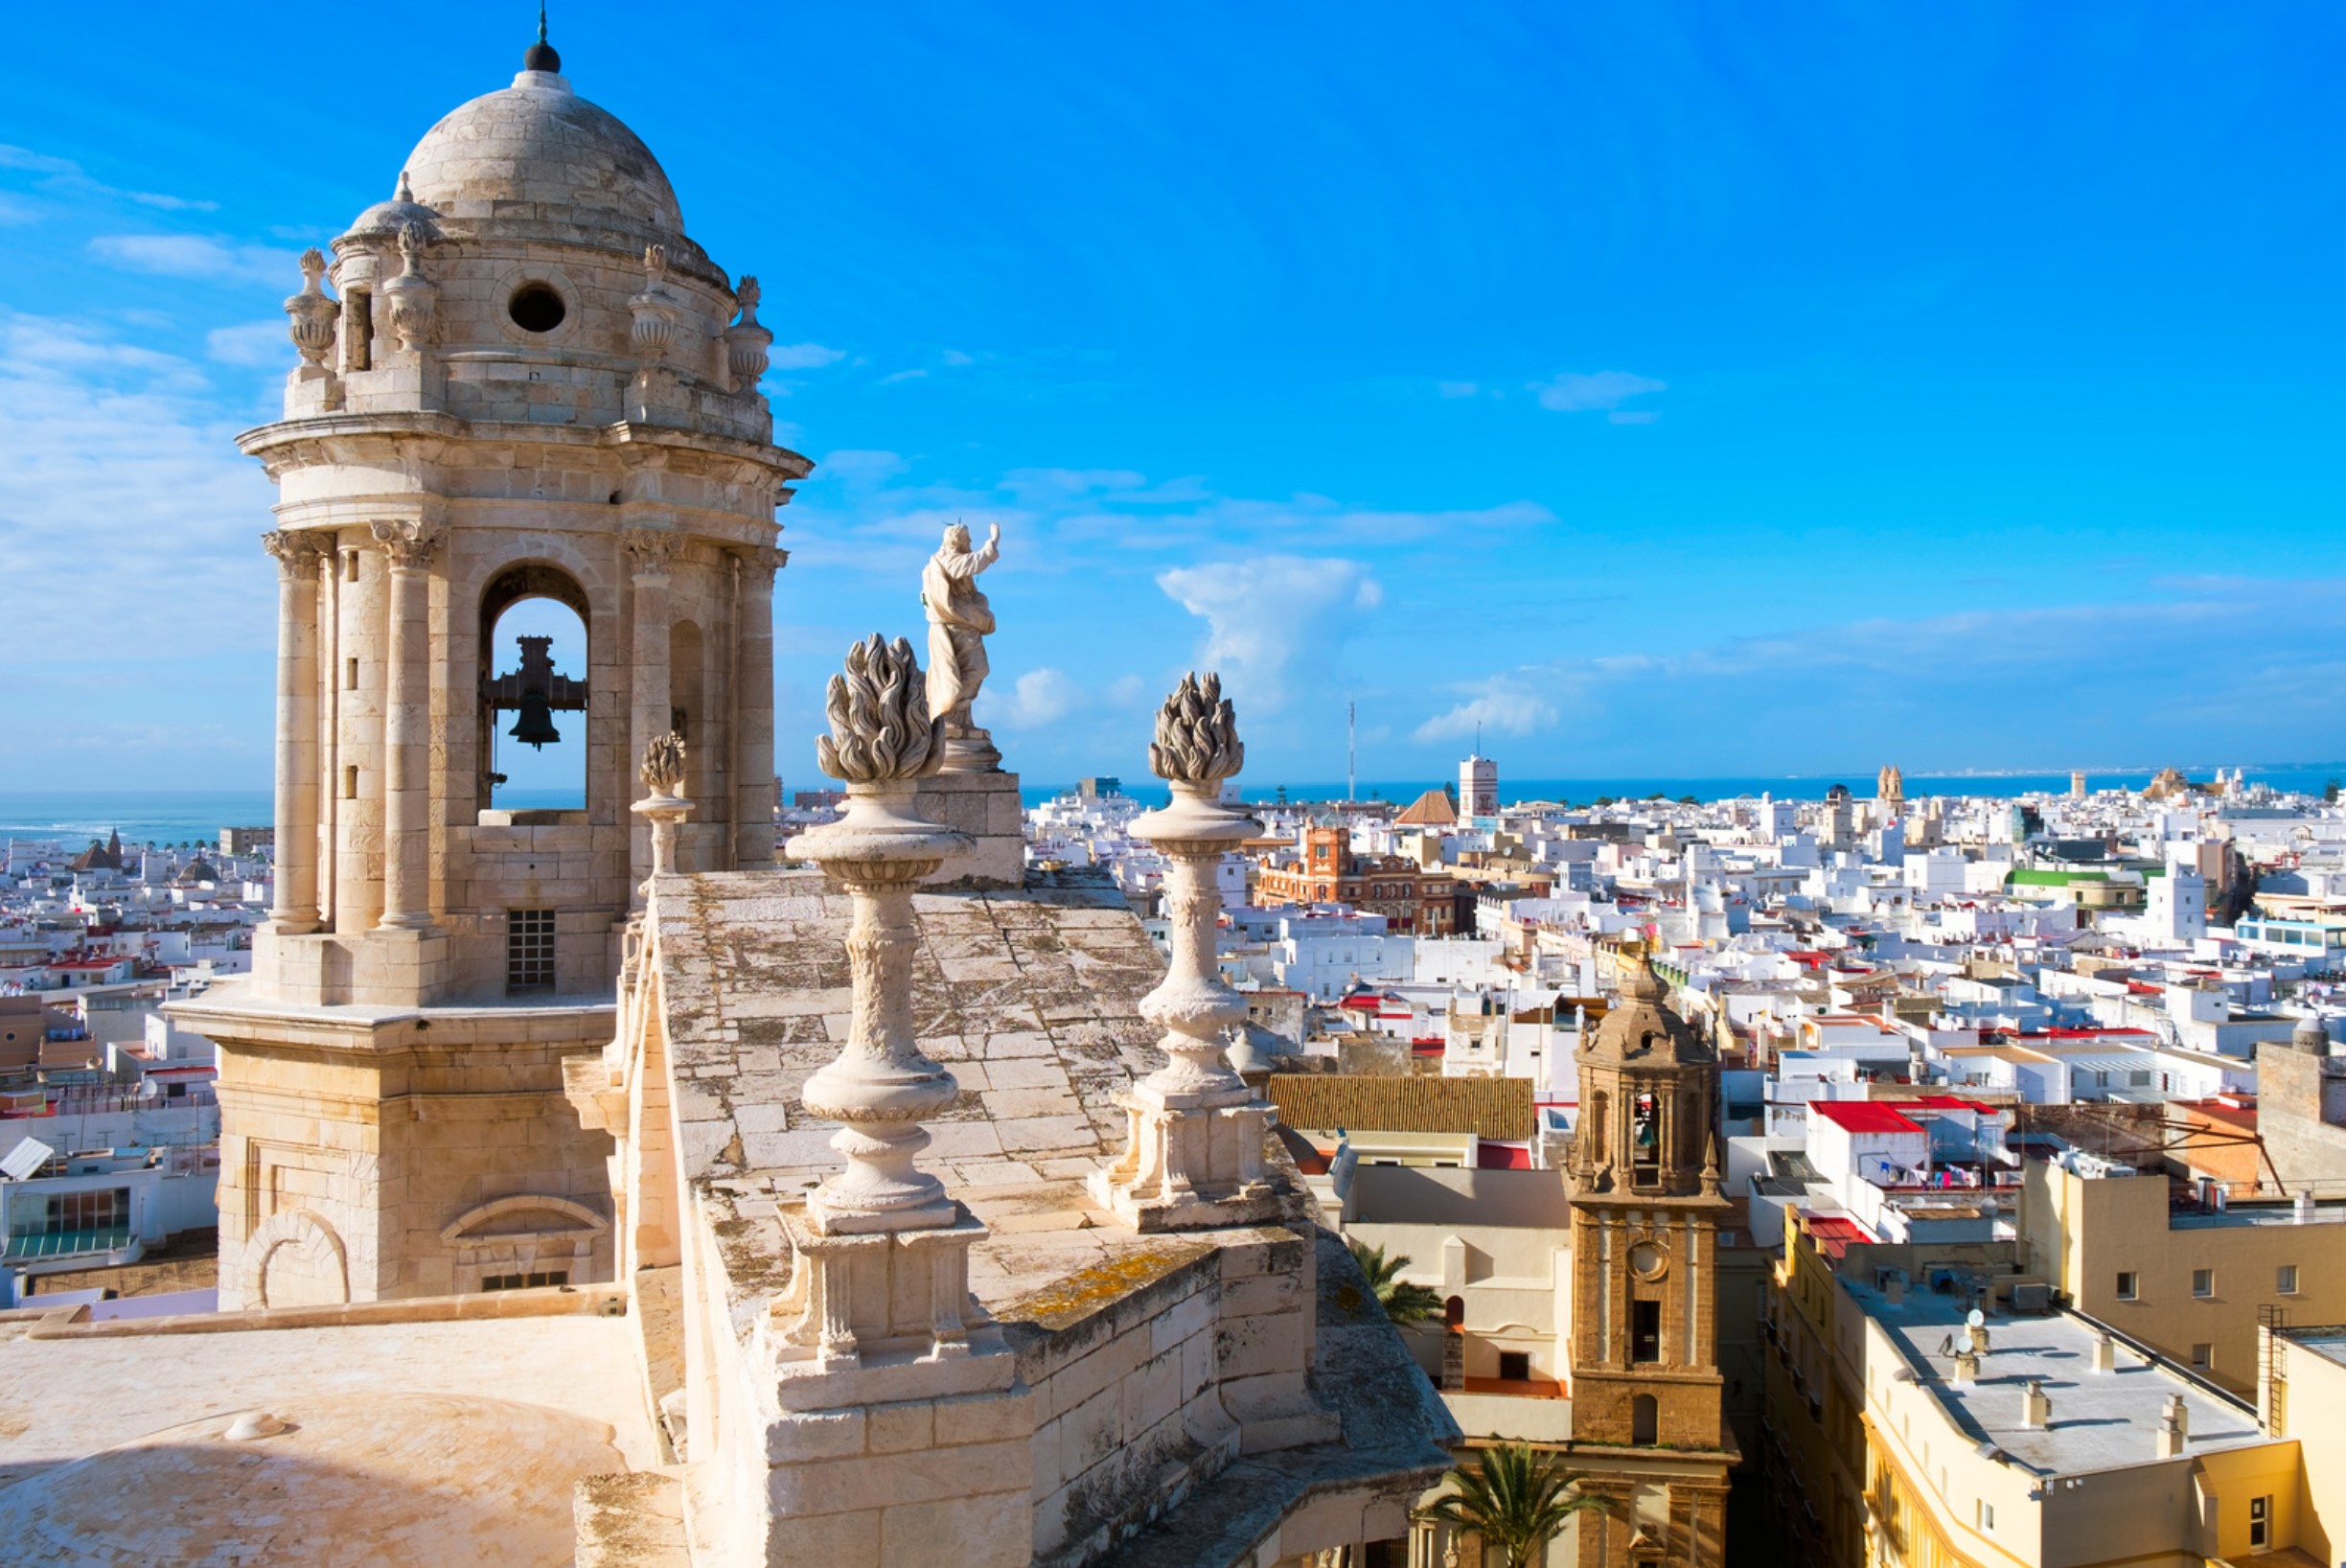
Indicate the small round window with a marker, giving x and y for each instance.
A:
(536, 308)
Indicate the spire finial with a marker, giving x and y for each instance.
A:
(541, 55)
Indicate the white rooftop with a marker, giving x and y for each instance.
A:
(2099, 1421)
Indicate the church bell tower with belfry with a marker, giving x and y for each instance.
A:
(527, 383)
(1647, 1418)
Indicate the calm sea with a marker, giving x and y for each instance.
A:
(170, 816)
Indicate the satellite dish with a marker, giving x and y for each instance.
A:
(1975, 1318)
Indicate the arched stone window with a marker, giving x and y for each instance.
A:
(1644, 1421)
(535, 640)
(530, 1237)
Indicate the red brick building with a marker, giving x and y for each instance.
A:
(1413, 899)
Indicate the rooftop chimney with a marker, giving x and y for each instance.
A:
(2173, 1427)
(2105, 1353)
(1979, 1336)
(2303, 1210)
(1967, 1367)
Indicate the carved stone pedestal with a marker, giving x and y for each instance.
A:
(883, 1314)
(984, 806)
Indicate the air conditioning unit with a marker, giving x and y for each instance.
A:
(2031, 1296)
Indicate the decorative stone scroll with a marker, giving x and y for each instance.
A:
(884, 1250)
(310, 316)
(663, 774)
(1194, 1157)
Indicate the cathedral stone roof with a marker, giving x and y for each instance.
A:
(537, 149)
(1641, 1031)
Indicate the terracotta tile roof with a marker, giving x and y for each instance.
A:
(1488, 1107)
(1432, 809)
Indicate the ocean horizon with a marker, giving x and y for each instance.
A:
(167, 816)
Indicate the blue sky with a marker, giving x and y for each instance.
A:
(1697, 391)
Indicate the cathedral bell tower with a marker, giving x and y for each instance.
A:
(529, 384)
(1648, 1422)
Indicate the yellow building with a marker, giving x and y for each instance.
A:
(2020, 1439)
(2186, 1282)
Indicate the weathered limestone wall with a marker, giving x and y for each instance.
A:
(385, 1158)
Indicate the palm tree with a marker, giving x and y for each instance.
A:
(1515, 1499)
(1408, 1306)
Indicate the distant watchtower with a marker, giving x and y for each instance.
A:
(533, 385)
(1478, 787)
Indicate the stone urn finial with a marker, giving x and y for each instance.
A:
(655, 312)
(882, 742)
(663, 774)
(1194, 1157)
(746, 341)
(310, 315)
(414, 298)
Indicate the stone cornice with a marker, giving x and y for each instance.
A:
(295, 443)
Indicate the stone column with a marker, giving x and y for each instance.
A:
(886, 1251)
(408, 546)
(294, 908)
(1195, 1153)
(753, 759)
(649, 550)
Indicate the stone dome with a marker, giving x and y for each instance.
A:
(387, 218)
(537, 149)
(1643, 1032)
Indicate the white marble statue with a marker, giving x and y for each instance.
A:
(959, 621)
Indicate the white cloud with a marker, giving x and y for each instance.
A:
(1458, 389)
(1275, 622)
(955, 358)
(901, 375)
(1569, 392)
(260, 344)
(1041, 697)
(803, 355)
(197, 256)
(118, 468)
(1505, 705)
(66, 174)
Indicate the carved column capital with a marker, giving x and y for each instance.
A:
(651, 549)
(410, 542)
(297, 553)
(768, 558)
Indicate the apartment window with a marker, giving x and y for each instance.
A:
(529, 949)
(525, 1281)
(2203, 1283)
(2260, 1523)
(2204, 1357)
(60, 1213)
(1983, 1511)
(1644, 1330)
(1514, 1365)
(349, 669)
(2139, 1078)
(350, 782)
(2128, 1280)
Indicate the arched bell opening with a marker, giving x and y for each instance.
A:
(532, 714)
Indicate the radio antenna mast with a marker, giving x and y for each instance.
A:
(1351, 751)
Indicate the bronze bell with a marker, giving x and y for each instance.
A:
(535, 727)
